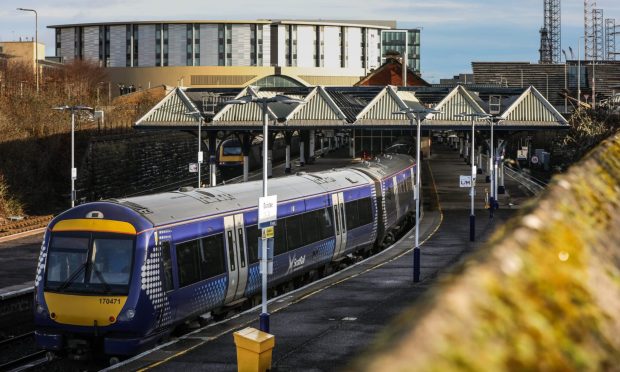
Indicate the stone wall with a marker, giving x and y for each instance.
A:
(544, 294)
(147, 162)
(136, 162)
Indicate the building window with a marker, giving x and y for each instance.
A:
(189, 45)
(128, 45)
(136, 40)
(343, 47)
(228, 45)
(253, 45)
(291, 45)
(158, 45)
(196, 45)
(78, 42)
(58, 43)
(364, 49)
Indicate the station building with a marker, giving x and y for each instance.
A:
(236, 53)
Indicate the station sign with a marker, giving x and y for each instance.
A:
(267, 211)
(464, 181)
(193, 167)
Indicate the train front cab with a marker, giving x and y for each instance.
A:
(85, 293)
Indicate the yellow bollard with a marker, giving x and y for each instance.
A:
(253, 350)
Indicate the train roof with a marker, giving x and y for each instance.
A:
(170, 207)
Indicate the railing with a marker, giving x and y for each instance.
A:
(532, 184)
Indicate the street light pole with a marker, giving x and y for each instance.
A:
(472, 215)
(198, 115)
(73, 110)
(36, 43)
(416, 115)
(264, 103)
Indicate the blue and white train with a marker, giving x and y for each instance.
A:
(118, 276)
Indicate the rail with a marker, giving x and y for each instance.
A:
(26, 362)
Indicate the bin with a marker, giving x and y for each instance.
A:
(253, 350)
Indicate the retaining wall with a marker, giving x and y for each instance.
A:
(544, 294)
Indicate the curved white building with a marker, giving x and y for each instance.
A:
(228, 53)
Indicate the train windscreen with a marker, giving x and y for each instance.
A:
(89, 263)
(231, 150)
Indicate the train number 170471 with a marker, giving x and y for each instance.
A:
(109, 301)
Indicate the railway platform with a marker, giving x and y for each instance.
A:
(327, 324)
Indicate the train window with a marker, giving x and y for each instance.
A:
(252, 234)
(231, 250)
(352, 214)
(364, 207)
(111, 261)
(231, 150)
(188, 262)
(312, 232)
(241, 246)
(294, 232)
(167, 266)
(213, 256)
(67, 259)
(389, 193)
(279, 240)
(325, 223)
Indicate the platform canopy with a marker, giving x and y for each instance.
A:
(357, 108)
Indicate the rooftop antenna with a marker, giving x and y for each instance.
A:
(588, 28)
(551, 32)
(610, 39)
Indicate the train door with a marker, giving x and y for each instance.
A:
(396, 196)
(340, 223)
(236, 250)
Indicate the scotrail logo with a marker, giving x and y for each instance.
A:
(295, 263)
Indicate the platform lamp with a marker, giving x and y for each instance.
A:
(264, 102)
(73, 110)
(416, 114)
(197, 115)
(36, 42)
(472, 215)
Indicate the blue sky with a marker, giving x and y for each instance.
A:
(454, 34)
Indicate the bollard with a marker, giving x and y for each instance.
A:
(254, 350)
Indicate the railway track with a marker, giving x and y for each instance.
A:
(19, 353)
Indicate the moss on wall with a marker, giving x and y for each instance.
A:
(544, 294)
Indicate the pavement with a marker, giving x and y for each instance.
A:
(327, 324)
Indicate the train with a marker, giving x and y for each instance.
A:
(230, 158)
(116, 277)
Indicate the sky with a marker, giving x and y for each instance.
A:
(454, 33)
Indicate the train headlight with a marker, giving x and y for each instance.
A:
(130, 314)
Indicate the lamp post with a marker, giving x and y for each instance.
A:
(472, 215)
(197, 115)
(73, 110)
(36, 43)
(264, 102)
(579, 70)
(415, 114)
